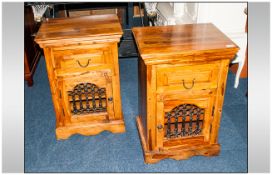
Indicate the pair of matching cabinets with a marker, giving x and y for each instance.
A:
(182, 79)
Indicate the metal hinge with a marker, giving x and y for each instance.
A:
(211, 129)
(63, 112)
(222, 90)
(213, 111)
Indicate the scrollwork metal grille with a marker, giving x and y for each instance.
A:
(184, 120)
(87, 98)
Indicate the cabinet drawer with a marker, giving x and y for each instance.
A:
(182, 77)
(81, 57)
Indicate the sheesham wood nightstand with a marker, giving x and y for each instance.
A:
(182, 79)
(81, 56)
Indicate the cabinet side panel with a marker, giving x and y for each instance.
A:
(53, 85)
(142, 95)
(222, 80)
(116, 83)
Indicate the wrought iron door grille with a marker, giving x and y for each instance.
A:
(184, 120)
(87, 98)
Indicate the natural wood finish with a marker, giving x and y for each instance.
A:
(83, 50)
(184, 42)
(182, 64)
(219, 100)
(171, 76)
(244, 73)
(75, 30)
(137, 12)
(188, 150)
(119, 11)
(87, 129)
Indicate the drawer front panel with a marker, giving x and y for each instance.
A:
(82, 60)
(81, 57)
(182, 77)
(88, 97)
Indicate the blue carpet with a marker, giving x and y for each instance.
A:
(108, 152)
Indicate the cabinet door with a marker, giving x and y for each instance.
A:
(87, 97)
(184, 118)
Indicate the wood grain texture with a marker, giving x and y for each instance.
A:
(88, 129)
(142, 99)
(219, 100)
(181, 65)
(190, 40)
(75, 29)
(78, 51)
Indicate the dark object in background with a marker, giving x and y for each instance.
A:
(32, 51)
(127, 46)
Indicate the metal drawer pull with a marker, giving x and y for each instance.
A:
(83, 65)
(193, 83)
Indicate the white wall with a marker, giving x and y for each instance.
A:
(228, 17)
(231, 20)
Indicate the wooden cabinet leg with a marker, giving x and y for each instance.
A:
(29, 81)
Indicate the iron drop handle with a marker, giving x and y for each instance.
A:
(87, 64)
(186, 87)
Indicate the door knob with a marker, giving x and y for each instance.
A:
(159, 126)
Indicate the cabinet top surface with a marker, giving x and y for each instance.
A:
(84, 27)
(184, 39)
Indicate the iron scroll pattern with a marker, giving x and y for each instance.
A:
(184, 120)
(87, 98)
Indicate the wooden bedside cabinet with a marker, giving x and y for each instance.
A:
(182, 79)
(81, 56)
